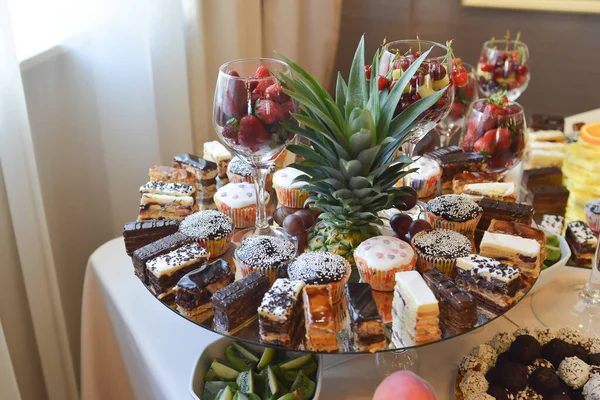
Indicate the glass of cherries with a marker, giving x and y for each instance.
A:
(495, 127)
(403, 224)
(503, 66)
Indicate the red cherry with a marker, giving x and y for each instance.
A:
(461, 79)
(417, 226)
(498, 73)
(417, 79)
(405, 63)
(522, 69)
(487, 67)
(382, 82)
(368, 71)
(262, 72)
(234, 73)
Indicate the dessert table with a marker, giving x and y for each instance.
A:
(133, 347)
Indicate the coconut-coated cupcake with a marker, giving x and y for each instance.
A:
(211, 229)
(238, 202)
(379, 258)
(239, 170)
(592, 214)
(320, 268)
(439, 248)
(289, 193)
(425, 180)
(454, 212)
(268, 255)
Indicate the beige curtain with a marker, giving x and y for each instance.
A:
(221, 30)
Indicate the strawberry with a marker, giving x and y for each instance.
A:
(457, 110)
(269, 112)
(262, 72)
(368, 72)
(275, 93)
(230, 131)
(382, 82)
(262, 86)
(494, 110)
(486, 144)
(252, 132)
(503, 138)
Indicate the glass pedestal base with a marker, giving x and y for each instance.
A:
(276, 231)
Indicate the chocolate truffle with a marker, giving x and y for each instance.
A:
(545, 381)
(503, 359)
(580, 352)
(499, 393)
(557, 350)
(513, 376)
(493, 376)
(594, 359)
(525, 349)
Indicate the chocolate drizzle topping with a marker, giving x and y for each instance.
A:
(361, 303)
(195, 161)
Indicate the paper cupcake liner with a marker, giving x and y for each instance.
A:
(337, 288)
(235, 178)
(466, 228)
(445, 265)
(593, 220)
(242, 217)
(216, 247)
(424, 187)
(270, 273)
(291, 197)
(384, 281)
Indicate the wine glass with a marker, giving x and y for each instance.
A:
(248, 109)
(496, 129)
(432, 76)
(463, 97)
(503, 66)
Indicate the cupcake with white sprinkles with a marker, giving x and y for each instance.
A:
(454, 212)
(439, 249)
(239, 170)
(265, 254)
(321, 268)
(211, 229)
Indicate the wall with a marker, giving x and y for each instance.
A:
(15, 317)
(564, 48)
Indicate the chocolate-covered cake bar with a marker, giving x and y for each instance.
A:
(194, 291)
(236, 305)
(507, 211)
(492, 283)
(163, 173)
(455, 162)
(162, 206)
(458, 310)
(155, 249)
(203, 170)
(319, 318)
(549, 176)
(140, 233)
(280, 313)
(367, 328)
(548, 200)
(547, 122)
(582, 242)
(166, 270)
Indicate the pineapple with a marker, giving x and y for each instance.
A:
(351, 164)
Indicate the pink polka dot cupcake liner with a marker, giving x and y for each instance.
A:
(379, 279)
(292, 198)
(466, 228)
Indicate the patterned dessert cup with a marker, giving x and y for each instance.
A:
(592, 214)
(216, 247)
(466, 228)
(382, 280)
(426, 262)
(291, 197)
(242, 217)
(425, 187)
(235, 178)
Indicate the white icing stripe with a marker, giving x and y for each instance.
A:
(527, 247)
(412, 286)
(284, 178)
(384, 253)
(501, 189)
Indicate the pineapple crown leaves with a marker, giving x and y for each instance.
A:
(350, 165)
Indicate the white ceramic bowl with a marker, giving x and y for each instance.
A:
(217, 350)
(549, 273)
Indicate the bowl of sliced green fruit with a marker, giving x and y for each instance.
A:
(231, 370)
(557, 256)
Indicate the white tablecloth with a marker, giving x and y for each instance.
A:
(133, 347)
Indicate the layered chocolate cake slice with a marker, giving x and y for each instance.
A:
(319, 318)
(194, 291)
(454, 163)
(235, 305)
(138, 234)
(522, 230)
(493, 284)
(280, 313)
(367, 328)
(201, 168)
(582, 242)
(514, 250)
(166, 270)
(503, 210)
(467, 178)
(548, 200)
(458, 310)
(415, 311)
(162, 246)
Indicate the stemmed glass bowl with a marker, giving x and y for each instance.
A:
(248, 111)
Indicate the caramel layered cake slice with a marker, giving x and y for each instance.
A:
(194, 291)
(138, 234)
(514, 250)
(458, 310)
(456, 162)
(467, 178)
(522, 230)
(415, 311)
(506, 211)
(214, 151)
(553, 223)
(504, 191)
(235, 305)
(367, 328)
(162, 173)
(166, 270)
(162, 246)
(319, 318)
(162, 206)
(280, 313)
(582, 242)
(552, 135)
(493, 284)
